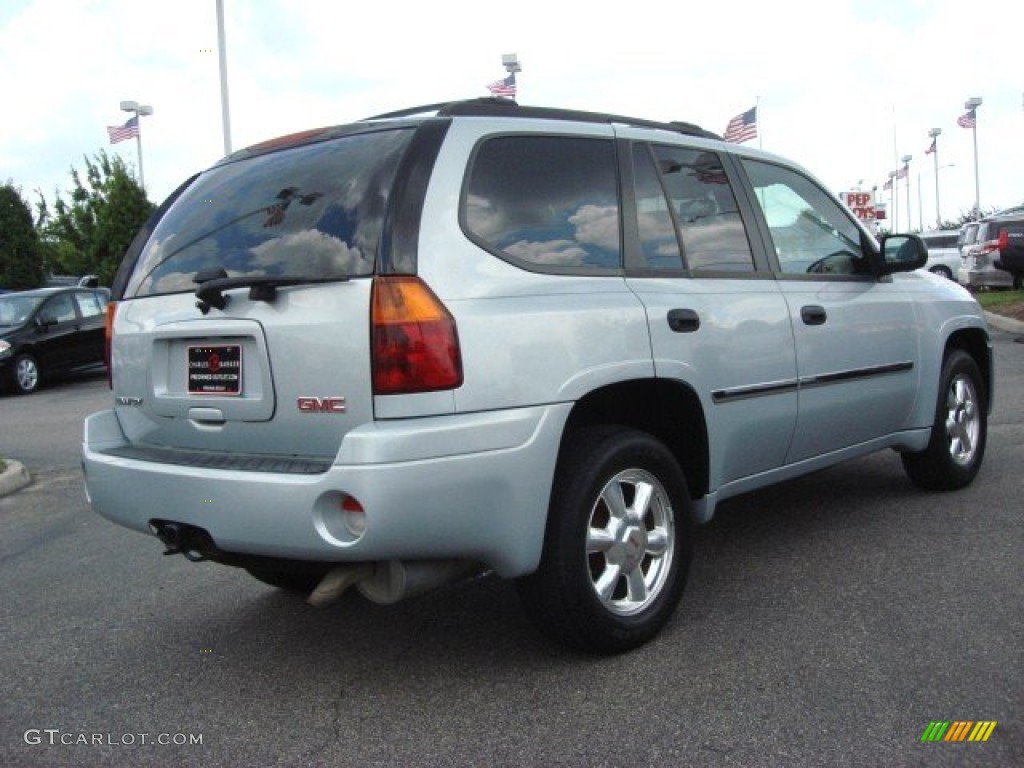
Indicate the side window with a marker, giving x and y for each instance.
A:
(659, 244)
(89, 304)
(810, 232)
(545, 201)
(59, 309)
(702, 206)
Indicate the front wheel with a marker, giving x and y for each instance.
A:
(26, 374)
(957, 446)
(618, 543)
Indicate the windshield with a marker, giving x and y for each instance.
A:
(14, 310)
(314, 211)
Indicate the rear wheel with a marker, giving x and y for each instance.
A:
(942, 272)
(618, 543)
(957, 446)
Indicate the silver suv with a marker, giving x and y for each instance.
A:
(485, 337)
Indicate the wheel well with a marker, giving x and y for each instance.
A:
(669, 410)
(974, 342)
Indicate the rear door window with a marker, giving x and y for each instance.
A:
(313, 211)
(687, 216)
(89, 304)
(545, 202)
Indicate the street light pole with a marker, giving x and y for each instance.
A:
(920, 205)
(934, 133)
(906, 167)
(894, 177)
(972, 104)
(140, 110)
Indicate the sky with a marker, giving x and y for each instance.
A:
(843, 87)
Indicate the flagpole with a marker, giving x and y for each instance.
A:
(224, 111)
(139, 110)
(138, 143)
(934, 134)
(972, 104)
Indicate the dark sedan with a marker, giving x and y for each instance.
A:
(50, 331)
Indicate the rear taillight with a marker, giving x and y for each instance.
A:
(108, 337)
(414, 339)
(1004, 240)
(987, 247)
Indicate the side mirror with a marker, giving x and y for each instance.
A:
(902, 253)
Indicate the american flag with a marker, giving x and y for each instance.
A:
(506, 87)
(931, 148)
(967, 119)
(743, 127)
(121, 132)
(888, 184)
(902, 172)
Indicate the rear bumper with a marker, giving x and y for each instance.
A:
(472, 486)
(988, 277)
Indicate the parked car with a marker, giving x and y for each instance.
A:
(1007, 249)
(48, 332)
(997, 239)
(943, 252)
(968, 236)
(540, 342)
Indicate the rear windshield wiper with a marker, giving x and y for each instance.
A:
(213, 283)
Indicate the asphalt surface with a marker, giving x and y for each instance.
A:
(827, 621)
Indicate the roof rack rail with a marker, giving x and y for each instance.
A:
(494, 106)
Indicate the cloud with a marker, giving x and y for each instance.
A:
(564, 253)
(597, 225)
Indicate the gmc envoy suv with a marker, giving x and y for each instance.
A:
(479, 336)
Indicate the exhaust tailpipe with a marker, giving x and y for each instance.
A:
(333, 585)
(396, 580)
(389, 581)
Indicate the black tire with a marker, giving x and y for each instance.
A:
(942, 272)
(959, 430)
(25, 374)
(302, 580)
(608, 583)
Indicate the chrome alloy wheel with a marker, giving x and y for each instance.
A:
(963, 420)
(630, 542)
(27, 374)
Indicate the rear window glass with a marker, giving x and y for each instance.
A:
(548, 202)
(990, 230)
(313, 211)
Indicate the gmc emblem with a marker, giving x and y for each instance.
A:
(321, 404)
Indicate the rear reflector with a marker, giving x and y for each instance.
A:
(414, 340)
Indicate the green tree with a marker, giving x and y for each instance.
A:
(21, 264)
(90, 234)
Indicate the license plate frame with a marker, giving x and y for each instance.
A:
(214, 370)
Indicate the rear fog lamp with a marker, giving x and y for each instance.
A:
(354, 516)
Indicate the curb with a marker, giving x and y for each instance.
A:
(1004, 323)
(14, 478)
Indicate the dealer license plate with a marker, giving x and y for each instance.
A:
(215, 370)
